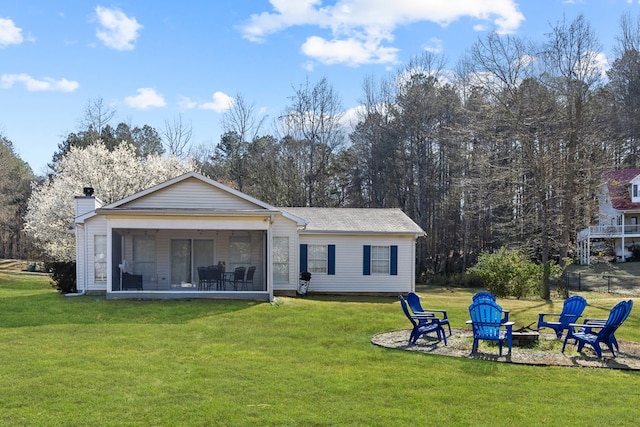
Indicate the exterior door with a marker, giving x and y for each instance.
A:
(186, 256)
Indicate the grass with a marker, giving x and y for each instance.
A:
(88, 361)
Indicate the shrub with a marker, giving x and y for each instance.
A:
(63, 275)
(508, 273)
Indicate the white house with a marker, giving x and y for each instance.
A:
(618, 214)
(161, 242)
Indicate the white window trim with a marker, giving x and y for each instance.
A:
(387, 260)
(310, 261)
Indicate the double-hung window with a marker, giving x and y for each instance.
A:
(380, 260)
(318, 259)
(281, 259)
(100, 257)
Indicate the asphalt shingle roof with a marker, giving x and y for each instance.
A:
(358, 220)
(618, 185)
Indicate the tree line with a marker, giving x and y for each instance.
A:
(506, 148)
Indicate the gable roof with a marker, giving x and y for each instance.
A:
(617, 182)
(254, 203)
(356, 220)
(151, 200)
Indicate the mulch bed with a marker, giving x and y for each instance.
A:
(546, 352)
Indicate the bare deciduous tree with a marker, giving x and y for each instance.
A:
(96, 115)
(177, 136)
(314, 117)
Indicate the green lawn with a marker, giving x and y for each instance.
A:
(86, 361)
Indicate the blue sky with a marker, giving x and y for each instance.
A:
(152, 61)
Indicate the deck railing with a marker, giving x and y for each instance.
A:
(610, 231)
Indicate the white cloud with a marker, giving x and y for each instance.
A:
(602, 63)
(434, 45)
(146, 98)
(117, 30)
(221, 102)
(360, 28)
(186, 103)
(38, 85)
(9, 33)
(352, 116)
(288, 13)
(348, 51)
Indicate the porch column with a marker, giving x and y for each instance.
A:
(586, 248)
(622, 240)
(269, 260)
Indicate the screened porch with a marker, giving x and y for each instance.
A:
(182, 261)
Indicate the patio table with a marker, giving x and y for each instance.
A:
(228, 276)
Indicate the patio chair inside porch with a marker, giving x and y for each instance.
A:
(238, 278)
(208, 277)
(131, 281)
(216, 277)
(251, 271)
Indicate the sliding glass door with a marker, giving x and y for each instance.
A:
(186, 256)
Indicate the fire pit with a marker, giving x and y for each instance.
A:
(524, 337)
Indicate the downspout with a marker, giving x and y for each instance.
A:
(84, 269)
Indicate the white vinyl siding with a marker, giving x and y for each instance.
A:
(285, 228)
(348, 269)
(86, 279)
(194, 194)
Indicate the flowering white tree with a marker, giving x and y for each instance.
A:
(112, 174)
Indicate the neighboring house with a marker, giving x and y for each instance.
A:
(618, 217)
(151, 245)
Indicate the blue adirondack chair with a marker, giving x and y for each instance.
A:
(571, 311)
(487, 324)
(484, 295)
(598, 331)
(614, 341)
(413, 300)
(422, 324)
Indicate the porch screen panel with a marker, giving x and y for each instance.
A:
(240, 251)
(180, 261)
(144, 256)
(203, 253)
